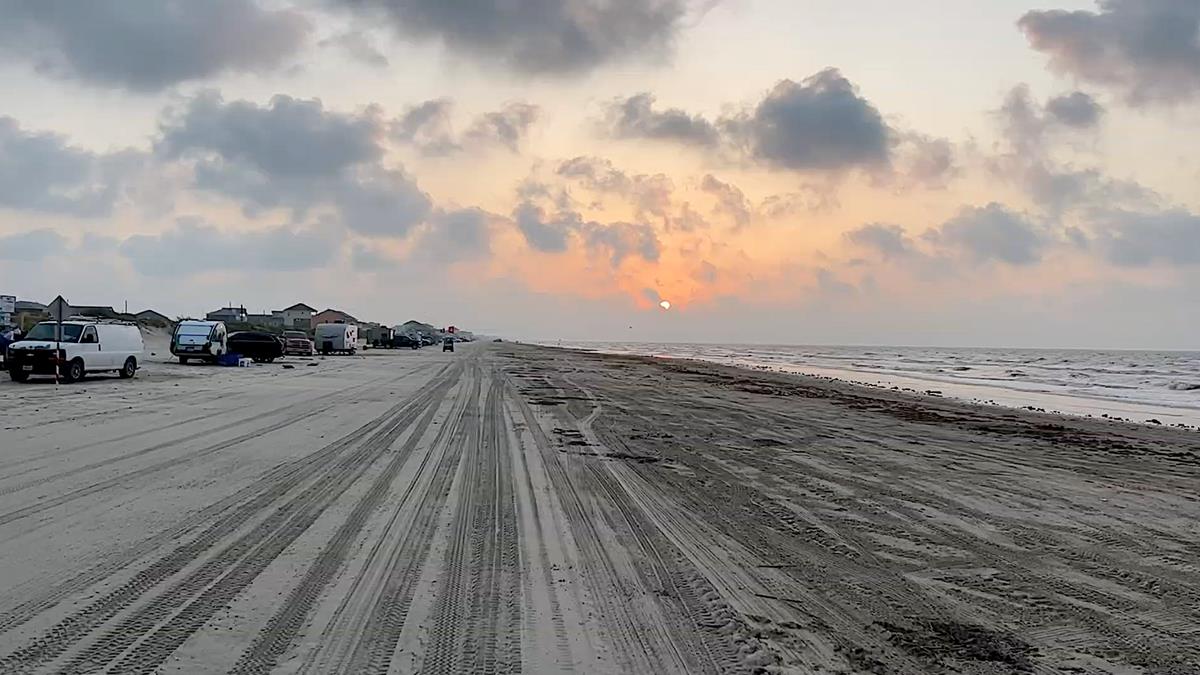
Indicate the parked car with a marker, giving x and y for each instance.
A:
(448, 344)
(85, 346)
(202, 340)
(339, 338)
(296, 343)
(257, 345)
(406, 342)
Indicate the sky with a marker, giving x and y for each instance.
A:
(985, 173)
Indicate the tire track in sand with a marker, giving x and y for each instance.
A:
(241, 563)
(363, 632)
(276, 481)
(346, 632)
(477, 615)
(320, 468)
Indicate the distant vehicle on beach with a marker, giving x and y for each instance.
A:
(257, 345)
(296, 343)
(336, 338)
(202, 340)
(448, 344)
(85, 346)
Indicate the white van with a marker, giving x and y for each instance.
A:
(203, 340)
(86, 345)
(340, 338)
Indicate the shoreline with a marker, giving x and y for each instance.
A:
(1086, 406)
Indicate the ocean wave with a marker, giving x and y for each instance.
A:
(1183, 386)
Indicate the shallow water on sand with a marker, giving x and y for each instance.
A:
(1135, 385)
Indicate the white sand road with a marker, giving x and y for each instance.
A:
(517, 509)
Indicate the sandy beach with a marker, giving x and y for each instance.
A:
(511, 508)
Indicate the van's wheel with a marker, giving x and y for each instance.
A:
(183, 360)
(18, 375)
(74, 372)
(129, 369)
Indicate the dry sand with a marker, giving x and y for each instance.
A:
(519, 509)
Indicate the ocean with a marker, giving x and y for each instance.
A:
(1135, 385)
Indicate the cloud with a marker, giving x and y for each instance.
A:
(617, 240)
(731, 201)
(992, 233)
(295, 154)
(380, 202)
(621, 240)
(507, 126)
(427, 126)
(1076, 109)
(461, 234)
(288, 137)
(1030, 132)
(536, 37)
(925, 161)
(149, 45)
(542, 234)
(31, 246)
(41, 172)
(1146, 50)
(192, 246)
(635, 118)
(356, 44)
(820, 124)
(649, 194)
(889, 240)
(1132, 239)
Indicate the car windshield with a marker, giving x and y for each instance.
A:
(201, 331)
(45, 331)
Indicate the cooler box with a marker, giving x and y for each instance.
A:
(229, 359)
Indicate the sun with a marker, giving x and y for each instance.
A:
(665, 304)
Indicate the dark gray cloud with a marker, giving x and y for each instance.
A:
(507, 126)
(31, 246)
(380, 202)
(992, 233)
(192, 246)
(1076, 109)
(552, 234)
(294, 154)
(357, 45)
(538, 37)
(149, 45)
(1146, 50)
(427, 126)
(287, 137)
(889, 240)
(820, 124)
(1134, 239)
(541, 233)
(636, 118)
(43, 172)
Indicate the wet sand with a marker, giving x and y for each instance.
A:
(509, 508)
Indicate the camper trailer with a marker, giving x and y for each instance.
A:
(336, 338)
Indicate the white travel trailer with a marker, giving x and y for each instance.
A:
(336, 338)
(85, 345)
(201, 340)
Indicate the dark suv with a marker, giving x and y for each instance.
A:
(448, 344)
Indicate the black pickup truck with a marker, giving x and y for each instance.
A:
(251, 344)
